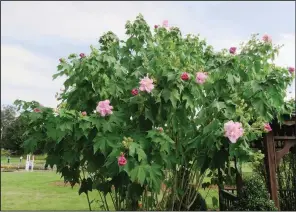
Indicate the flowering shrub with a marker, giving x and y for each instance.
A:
(173, 128)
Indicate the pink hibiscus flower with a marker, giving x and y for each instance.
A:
(201, 77)
(146, 84)
(233, 131)
(104, 108)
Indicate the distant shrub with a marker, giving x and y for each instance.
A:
(254, 197)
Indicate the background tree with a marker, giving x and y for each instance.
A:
(13, 128)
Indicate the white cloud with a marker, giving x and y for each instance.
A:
(287, 52)
(27, 76)
(80, 20)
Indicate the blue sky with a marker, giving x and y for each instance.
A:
(34, 35)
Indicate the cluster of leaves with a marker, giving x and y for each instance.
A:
(245, 87)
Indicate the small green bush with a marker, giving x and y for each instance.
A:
(254, 197)
(5, 152)
(40, 157)
(16, 167)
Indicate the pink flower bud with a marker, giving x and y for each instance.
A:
(82, 55)
(160, 129)
(266, 38)
(165, 23)
(122, 160)
(232, 50)
(135, 92)
(185, 76)
(155, 26)
(84, 113)
(291, 69)
(267, 127)
(36, 110)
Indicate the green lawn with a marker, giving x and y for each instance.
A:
(38, 191)
(41, 190)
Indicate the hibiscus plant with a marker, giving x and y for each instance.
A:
(142, 119)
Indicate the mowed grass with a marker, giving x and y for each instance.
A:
(39, 191)
(44, 190)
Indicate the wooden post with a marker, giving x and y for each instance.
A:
(239, 179)
(270, 163)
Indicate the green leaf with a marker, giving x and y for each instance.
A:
(86, 127)
(141, 154)
(259, 106)
(148, 115)
(138, 174)
(171, 76)
(101, 143)
(189, 100)
(132, 148)
(215, 202)
(107, 126)
(85, 186)
(212, 126)
(68, 125)
(166, 94)
(30, 145)
(174, 97)
(155, 176)
(96, 121)
(219, 105)
(54, 133)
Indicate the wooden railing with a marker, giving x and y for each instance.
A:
(287, 199)
(226, 199)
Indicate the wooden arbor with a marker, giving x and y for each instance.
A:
(277, 144)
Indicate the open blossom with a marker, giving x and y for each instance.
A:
(122, 160)
(201, 77)
(104, 108)
(165, 23)
(232, 50)
(146, 84)
(291, 69)
(84, 113)
(135, 92)
(36, 110)
(185, 76)
(267, 127)
(233, 131)
(266, 38)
